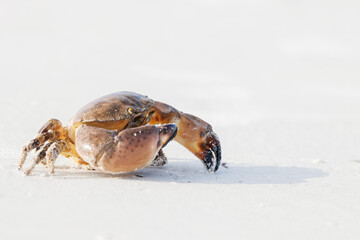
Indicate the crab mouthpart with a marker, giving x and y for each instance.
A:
(167, 133)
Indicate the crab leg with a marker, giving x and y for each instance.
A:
(53, 152)
(160, 159)
(50, 152)
(38, 141)
(193, 133)
(50, 131)
(39, 156)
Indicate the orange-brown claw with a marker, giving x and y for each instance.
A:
(197, 135)
(193, 133)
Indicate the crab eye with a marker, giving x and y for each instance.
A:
(130, 110)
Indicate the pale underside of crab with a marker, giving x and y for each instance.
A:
(123, 132)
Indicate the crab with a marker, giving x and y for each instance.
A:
(122, 132)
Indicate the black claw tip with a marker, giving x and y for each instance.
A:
(213, 154)
(217, 152)
(209, 161)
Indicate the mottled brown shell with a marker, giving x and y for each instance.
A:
(114, 111)
(113, 107)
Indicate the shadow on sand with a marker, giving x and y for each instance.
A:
(192, 172)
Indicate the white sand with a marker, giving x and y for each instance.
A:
(279, 82)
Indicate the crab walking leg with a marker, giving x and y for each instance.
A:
(53, 152)
(37, 159)
(50, 152)
(41, 153)
(194, 134)
(50, 130)
(160, 159)
(35, 143)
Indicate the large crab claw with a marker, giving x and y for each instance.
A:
(193, 133)
(122, 151)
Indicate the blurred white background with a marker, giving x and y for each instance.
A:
(278, 80)
(269, 57)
